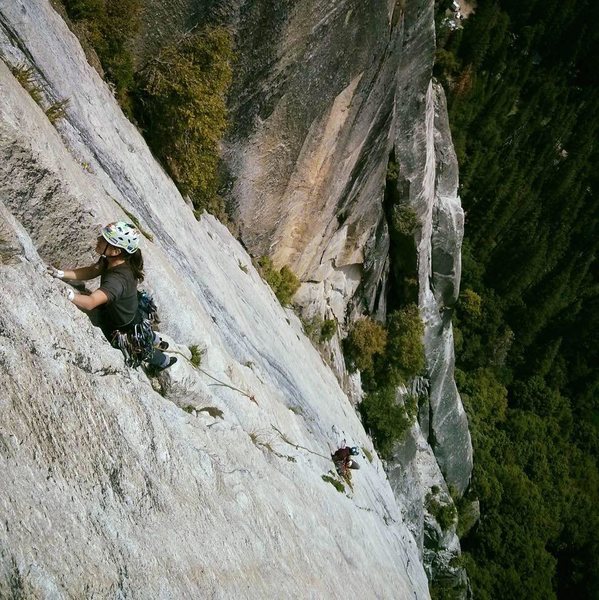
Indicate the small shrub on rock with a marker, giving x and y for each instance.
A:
(444, 513)
(328, 330)
(196, 355)
(334, 482)
(404, 220)
(366, 339)
(284, 283)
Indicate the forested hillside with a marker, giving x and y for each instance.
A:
(522, 80)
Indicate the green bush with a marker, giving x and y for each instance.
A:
(445, 514)
(111, 27)
(334, 482)
(471, 303)
(404, 356)
(84, 9)
(284, 283)
(196, 355)
(366, 339)
(404, 220)
(319, 330)
(312, 327)
(57, 110)
(181, 105)
(386, 418)
(387, 358)
(411, 402)
(328, 329)
(392, 171)
(288, 286)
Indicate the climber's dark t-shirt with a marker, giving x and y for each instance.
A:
(120, 286)
(342, 454)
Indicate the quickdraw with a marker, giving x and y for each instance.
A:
(137, 344)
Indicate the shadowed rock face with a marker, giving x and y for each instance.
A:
(309, 148)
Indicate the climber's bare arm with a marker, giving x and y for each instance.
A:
(83, 273)
(90, 302)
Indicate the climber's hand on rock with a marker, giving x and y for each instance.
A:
(54, 272)
(69, 294)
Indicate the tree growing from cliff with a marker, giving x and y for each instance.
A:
(283, 282)
(181, 105)
(404, 355)
(385, 417)
(366, 339)
(110, 27)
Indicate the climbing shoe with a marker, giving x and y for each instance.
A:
(163, 346)
(171, 362)
(153, 370)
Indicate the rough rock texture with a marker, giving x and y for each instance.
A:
(428, 171)
(437, 452)
(317, 107)
(448, 429)
(110, 489)
(418, 484)
(322, 93)
(312, 109)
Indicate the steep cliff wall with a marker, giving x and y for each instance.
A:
(323, 93)
(428, 181)
(318, 104)
(308, 152)
(109, 487)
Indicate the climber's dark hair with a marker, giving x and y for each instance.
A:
(136, 262)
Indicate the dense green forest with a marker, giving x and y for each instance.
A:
(522, 83)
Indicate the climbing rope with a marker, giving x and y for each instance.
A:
(297, 446)
(224, 384)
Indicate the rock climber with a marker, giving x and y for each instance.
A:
(120, 269)
(343, 461)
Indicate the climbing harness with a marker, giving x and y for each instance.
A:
(136, 344)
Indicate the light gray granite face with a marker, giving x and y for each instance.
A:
(428, 171)
(109, 488)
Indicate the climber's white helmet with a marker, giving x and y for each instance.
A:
(122, 235)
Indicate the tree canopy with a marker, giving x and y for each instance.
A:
(522, 84)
